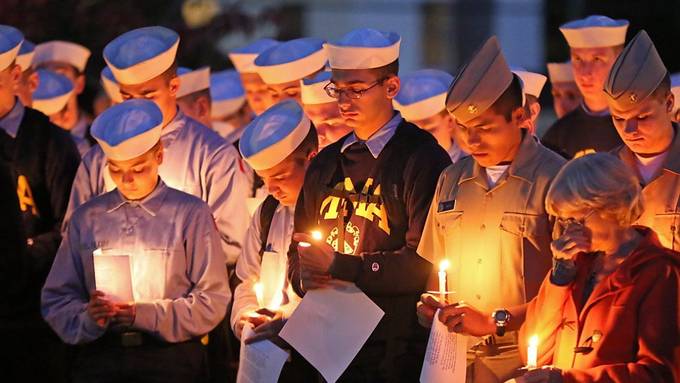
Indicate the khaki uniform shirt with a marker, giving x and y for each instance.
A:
(496, 239)
(661, 196)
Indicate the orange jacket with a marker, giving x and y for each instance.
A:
(635, 312)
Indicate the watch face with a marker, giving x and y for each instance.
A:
(501, 316)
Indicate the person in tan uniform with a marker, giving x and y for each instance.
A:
(488, 218)
(640, 100)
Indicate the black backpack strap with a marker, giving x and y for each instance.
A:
(266, 216)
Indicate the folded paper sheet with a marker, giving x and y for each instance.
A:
(259, 362)
(113, 277)
(445, 358)
(330, 326)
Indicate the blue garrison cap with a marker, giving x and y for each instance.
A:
(10, 43)
(422, 94)
(291, 60)
(595, 31)
(25, 56)
(54, 91)
(226, 92)
(244, 57)
(364, 48)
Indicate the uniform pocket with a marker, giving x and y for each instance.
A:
(666, 227)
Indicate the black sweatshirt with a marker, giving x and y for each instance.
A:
(43, 161)
(387, 211)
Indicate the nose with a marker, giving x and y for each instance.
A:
(128, 178)
(472, 138)
(631, 126)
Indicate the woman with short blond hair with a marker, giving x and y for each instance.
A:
(608, 310)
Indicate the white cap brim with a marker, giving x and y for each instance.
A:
(112, 90)
(676, 95)
(50, 106)
(225, 108)
(62, 52)
(532, 83)
(8, 57)
(145, 70)
(194, 81)
(422, 109)
(292, 71)
(244, 62)
(595, 37)
(133, 147)
(347, 57)
(24, 61)
(274, 154)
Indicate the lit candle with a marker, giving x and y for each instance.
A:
(316, 235)
(259, 293)
(443, 265)
(532, 352)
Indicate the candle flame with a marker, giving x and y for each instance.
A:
(316, 235)
(443, 265)
(533, 341)
(259, 293)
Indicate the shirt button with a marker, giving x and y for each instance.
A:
(375, 266)
(479, 261)
(482, 227)
(129, 230)
(478, 296)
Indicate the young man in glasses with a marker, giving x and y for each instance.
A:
(368, 195)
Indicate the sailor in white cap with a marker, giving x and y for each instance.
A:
(368, 195)
(532, 85)
(243, 59)
(198, 161)
(565, 93)
(193, 95)
(69, 59)
(279, 144)
(675, 89)
(230, 111)
(29, 78)
(641, 101)
(179, 289)
(110, 86)
(322, 109)
(422, 101)
(488, 217)
(52, 96)
(594, 44)
(282, 66)
(42, 160)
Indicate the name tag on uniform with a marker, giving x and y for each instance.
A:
(446, 206)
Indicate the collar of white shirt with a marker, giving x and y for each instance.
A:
(10, 123)
(150, 204)
(376, 143)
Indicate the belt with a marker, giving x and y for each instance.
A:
(129, 339)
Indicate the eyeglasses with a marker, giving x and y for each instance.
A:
(561, 224)
(355, 94)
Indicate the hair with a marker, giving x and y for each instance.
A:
(599, 182)
(510, 100)
(310, 144)
(663, 89)
(389, 70)
(171, 72)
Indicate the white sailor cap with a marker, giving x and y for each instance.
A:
(25, 57)
(141, 54)
(54, 91)
(192, 81)
(291, 61)
(532, 83)
(595, 31)
(110, 85)
(422, 94)
(675, 89)
(560, 72)
(129, 129)
(363, 48)
(60, 51)
(312, 90)
(243, 58)
(226, 92)
(10, 43)
(272, 136)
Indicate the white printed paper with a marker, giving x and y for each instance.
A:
(259, 362)
(330, 326)
(112, 276)
(445, 358)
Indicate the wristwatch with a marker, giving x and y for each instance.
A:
(501, 318)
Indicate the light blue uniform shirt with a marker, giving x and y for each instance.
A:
(196, 160)
(178, 276)
(11, 121)
(376, 143)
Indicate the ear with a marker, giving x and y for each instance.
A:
(173, 85)
(670, 102)
(535, 111)
(519, 116)
(311, 155)
(159, 155)
(203, 107)
(79, 84)
(33, 81)
(392, 86)
(15, 75)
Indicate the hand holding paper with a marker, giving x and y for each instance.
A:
(112, 276)
(260, 362)
(445, 358)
